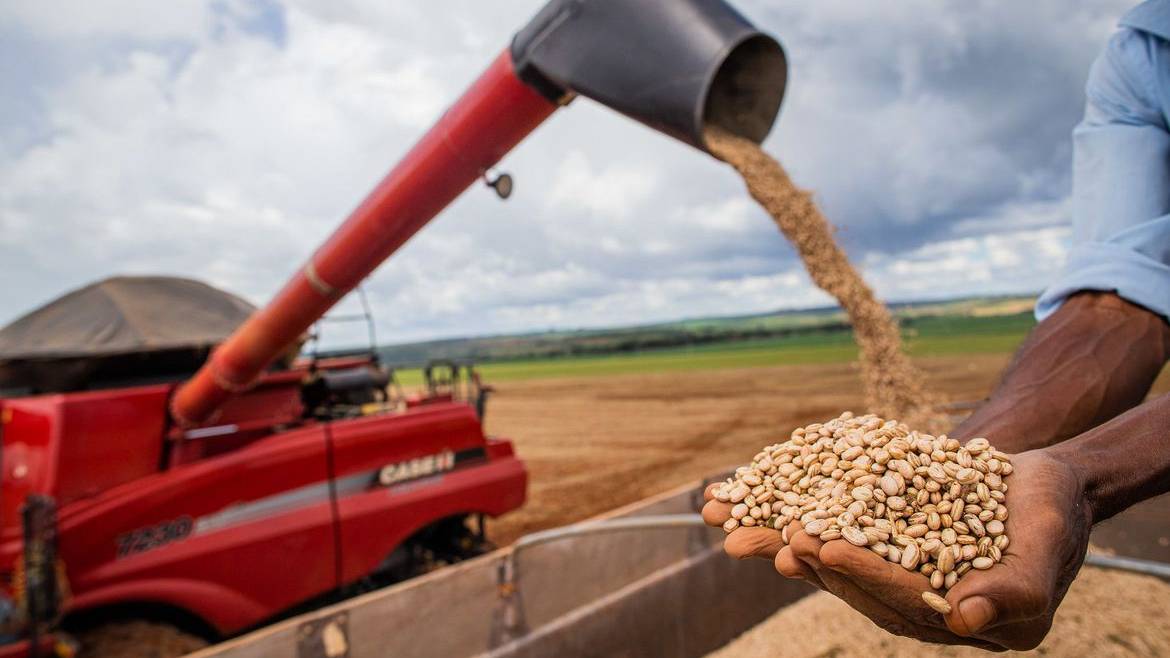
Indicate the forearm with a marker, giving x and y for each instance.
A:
(1124, 461)
(1093, 359)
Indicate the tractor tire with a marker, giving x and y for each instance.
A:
(136, 639)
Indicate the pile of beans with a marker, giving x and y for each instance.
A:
(928, 503)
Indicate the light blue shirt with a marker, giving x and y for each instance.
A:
(1121, 170)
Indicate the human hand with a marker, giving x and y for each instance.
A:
(1009, 606)
(743, 542)
(796, 555)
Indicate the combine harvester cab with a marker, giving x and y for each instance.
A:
(317, 482)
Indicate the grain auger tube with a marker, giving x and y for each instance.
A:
(674, 65)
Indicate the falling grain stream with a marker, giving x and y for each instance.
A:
(894, 388)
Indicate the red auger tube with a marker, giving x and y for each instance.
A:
(494, 115)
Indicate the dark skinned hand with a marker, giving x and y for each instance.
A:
(1009, 606)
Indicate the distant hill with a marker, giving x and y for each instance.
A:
(681, 333)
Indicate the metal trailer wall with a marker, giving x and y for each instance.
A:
(638, 593)
(648, 592)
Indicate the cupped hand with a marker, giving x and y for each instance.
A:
(796, 555)
(743, 542)
(1009, 606)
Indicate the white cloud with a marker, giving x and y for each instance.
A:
(136, 19)
(614, 191)
(996, 263)
(226, 140)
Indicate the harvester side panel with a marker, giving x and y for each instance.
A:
(233, 539)
(75, 445)
(240, 537)
(431, 464)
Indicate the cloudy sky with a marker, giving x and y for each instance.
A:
(224, 140)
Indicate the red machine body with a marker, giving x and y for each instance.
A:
(236, 522)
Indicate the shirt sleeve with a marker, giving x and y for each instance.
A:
(1121, 179)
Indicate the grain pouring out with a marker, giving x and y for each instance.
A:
(893, 386)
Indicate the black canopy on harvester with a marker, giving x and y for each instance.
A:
(118, 331)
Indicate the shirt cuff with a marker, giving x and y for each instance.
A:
(1105, 267)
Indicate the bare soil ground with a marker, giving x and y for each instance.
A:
(595, 443)
(1106, 613)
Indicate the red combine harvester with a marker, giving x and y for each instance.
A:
(316, 482)
(223, 499)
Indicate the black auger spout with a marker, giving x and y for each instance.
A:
(676, 65)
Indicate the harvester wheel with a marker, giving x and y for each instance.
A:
(137, 639)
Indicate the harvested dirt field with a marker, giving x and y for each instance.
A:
(594, 443)
(1106, 613)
